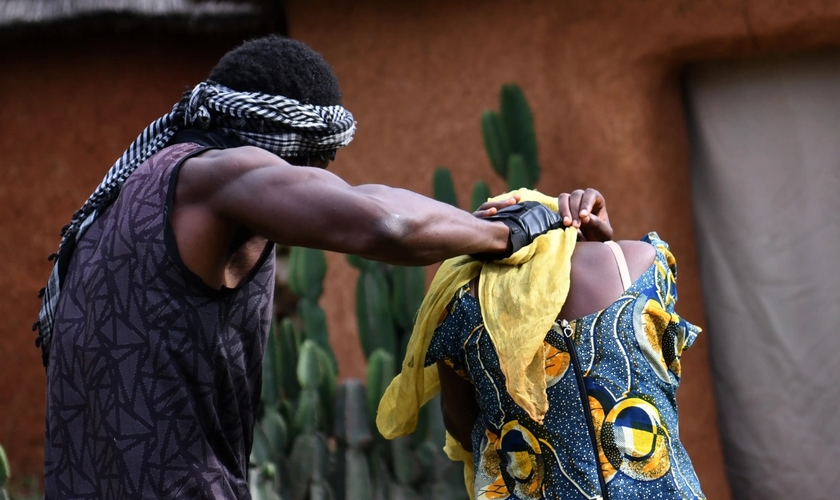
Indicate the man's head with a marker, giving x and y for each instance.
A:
(281, 66)
(278, 66)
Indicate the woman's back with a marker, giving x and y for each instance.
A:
(611, 373)
(595, 278)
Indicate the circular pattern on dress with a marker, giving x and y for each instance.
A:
(635, 441)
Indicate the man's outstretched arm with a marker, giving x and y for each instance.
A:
(303, 206)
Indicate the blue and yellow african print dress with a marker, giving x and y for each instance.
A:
(611, 429)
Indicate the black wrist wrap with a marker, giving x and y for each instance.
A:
(526, 221)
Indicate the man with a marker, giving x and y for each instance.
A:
(155, 319)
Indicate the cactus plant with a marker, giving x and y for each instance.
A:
(373, 311)
(511, 145)
(519, 128)
(444, 188)
(480, 194)
(404, 467)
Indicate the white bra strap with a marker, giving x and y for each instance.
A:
(622, 263)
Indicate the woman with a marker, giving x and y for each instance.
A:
(609, 367)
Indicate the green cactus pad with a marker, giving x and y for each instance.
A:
(357, 480)
(352, 429)
(308, 412)
(327, 389)
(373, 312)
(480, 194)
(407, 469)
(517, 175)
(381, 370)
(276, 432)
(359, 262)
(307, 268)
(309, 372)
(314, 321)
(496, 141)
(261, 451)
(519, 126)
(407, 295)
(443, 187)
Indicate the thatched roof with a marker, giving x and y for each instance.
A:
(229, 16)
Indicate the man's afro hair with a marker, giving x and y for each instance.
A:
(279, 66)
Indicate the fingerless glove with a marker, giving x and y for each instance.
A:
(526, 221)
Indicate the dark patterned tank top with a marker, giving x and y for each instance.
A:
(154, 377)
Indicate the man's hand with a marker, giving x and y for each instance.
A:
(489, 208)
(526, 222)
(587, 211)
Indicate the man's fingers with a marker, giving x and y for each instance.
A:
(498, 204)
(485, 213)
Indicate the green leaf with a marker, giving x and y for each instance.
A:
(495, 141)
(480, 194)
(443, 187)
(519, 126)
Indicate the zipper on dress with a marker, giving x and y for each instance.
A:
(567, 338)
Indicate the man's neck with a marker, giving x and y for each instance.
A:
(212, 138)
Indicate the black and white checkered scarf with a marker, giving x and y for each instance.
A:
(277, 124)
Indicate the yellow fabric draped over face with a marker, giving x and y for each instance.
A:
(520, 299)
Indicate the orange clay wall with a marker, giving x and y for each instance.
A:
(602, 78)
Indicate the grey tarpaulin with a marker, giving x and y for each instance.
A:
(765, 161)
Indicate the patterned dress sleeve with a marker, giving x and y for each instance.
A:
(447, 342)
(677, 334)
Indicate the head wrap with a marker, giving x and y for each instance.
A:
(283, 126)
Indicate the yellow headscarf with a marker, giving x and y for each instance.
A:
(520, 298)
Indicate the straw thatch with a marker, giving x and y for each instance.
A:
(228, 16)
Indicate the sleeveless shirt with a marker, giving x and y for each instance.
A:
(154, 377)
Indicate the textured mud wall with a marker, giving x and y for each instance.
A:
(603, 79)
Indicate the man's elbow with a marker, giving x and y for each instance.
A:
(392, 238)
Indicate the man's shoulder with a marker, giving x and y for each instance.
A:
(212, 169)
(242, 157)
